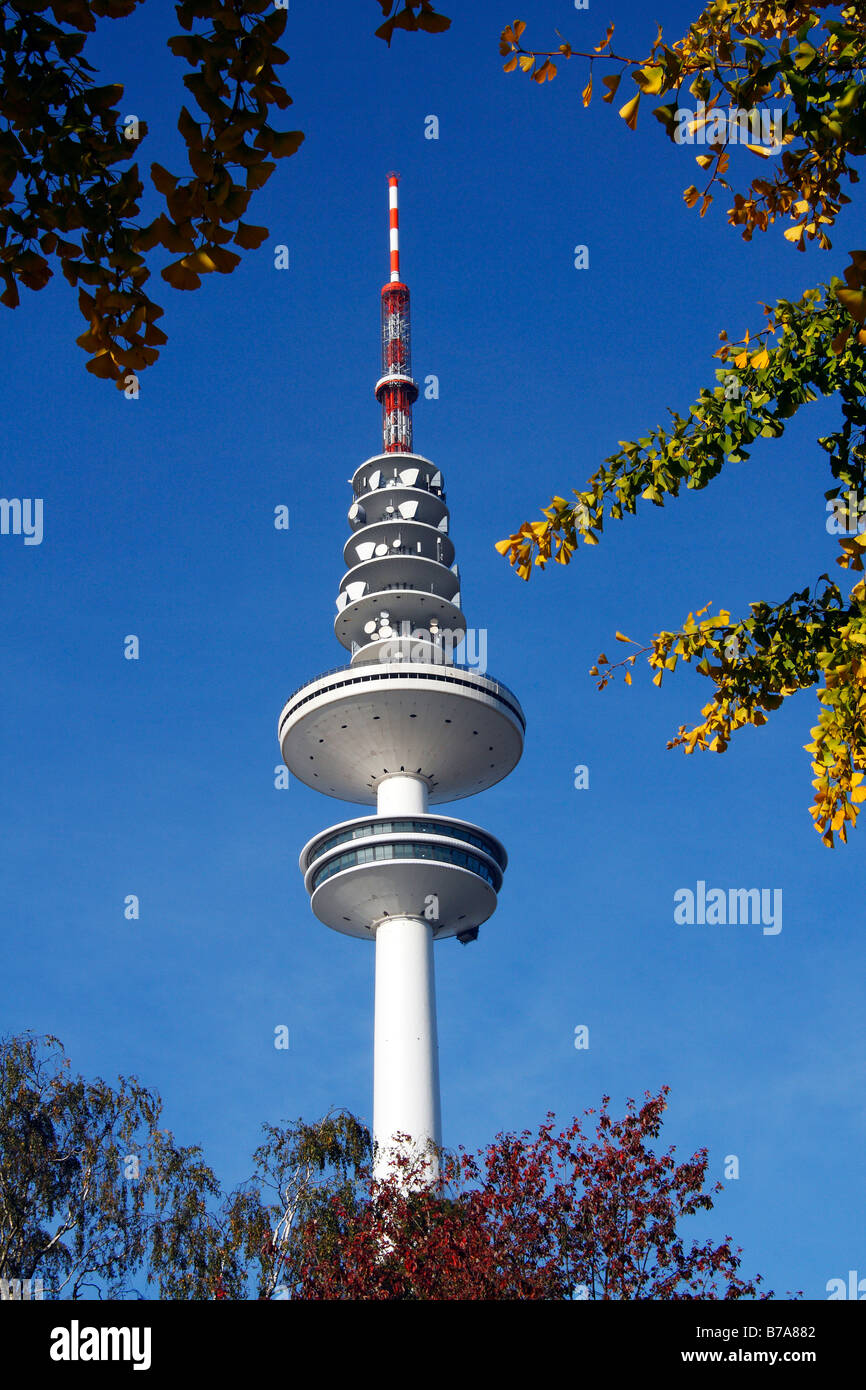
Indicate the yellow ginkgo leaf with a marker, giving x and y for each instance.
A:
(199, 261)
(629, 112)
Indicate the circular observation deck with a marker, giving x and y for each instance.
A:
(443, 870)
(458, 730)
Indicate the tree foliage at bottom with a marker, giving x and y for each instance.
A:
(98, 1200)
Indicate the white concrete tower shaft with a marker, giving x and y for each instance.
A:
(406, 1049)
(406, 1097)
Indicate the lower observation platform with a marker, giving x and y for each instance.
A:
(457, 729)
(364, 871)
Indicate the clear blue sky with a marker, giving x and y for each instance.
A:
(156, 777)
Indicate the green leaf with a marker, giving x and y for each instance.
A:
(651, 80)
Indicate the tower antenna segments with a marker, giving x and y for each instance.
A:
(395, 390)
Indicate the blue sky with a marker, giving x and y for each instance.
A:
(156, 777)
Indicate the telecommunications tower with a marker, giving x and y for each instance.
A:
(402, 727)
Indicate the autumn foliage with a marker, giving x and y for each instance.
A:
(802, 64)
(69, 193)
(71, 190)
(557, 1215)
(96, 1196)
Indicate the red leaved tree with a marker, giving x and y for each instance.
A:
(553, 1216)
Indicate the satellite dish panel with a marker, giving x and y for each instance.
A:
(408, 510)
(396, 543)
(443, 526)
(381, 549)
(357, 514)
(374, 480)
(370, 627)
(365, 549)
(342, 600)
(409, 476)
(356, 590)
(436, 480)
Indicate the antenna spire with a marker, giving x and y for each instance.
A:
(395, 389)
(394, 222)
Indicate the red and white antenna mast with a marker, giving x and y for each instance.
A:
(395, 389)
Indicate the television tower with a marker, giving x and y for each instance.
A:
(402, 727)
